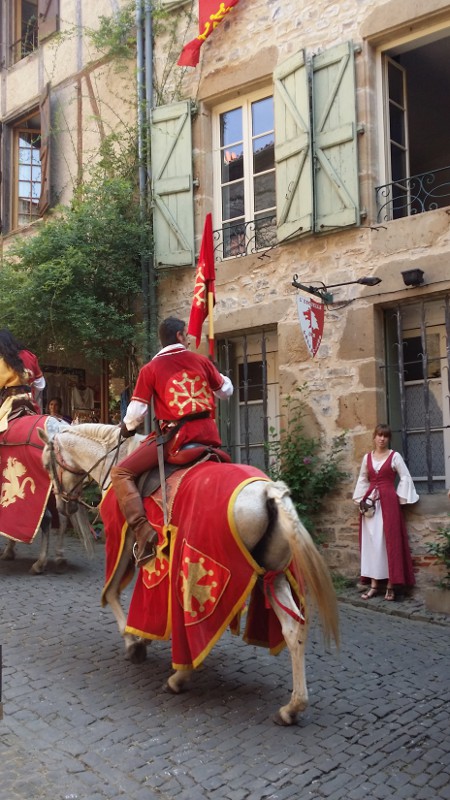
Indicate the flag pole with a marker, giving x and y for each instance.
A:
(211, 324)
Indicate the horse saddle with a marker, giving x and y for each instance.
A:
(186, 456)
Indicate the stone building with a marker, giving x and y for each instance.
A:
(59, 99)
(320, 145)
(315, 134)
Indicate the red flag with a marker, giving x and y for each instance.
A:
(210, 14)
(204, 298)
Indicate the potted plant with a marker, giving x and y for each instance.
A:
(438, 598)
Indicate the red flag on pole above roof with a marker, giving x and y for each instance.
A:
(210, 14)
(204, 298)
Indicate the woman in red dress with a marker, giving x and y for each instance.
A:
(385, 553)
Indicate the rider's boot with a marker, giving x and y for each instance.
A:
(132, 507)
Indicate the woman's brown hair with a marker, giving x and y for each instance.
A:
(382, 428)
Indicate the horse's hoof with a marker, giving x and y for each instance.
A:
(175, 686)
(61, 565)
(36, 569)
(137, 652)
(284, 719)
(172, 689)
(7, 555)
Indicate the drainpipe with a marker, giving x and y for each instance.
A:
(142, 169)
(152, 295)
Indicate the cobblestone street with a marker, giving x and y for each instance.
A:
(83, 723)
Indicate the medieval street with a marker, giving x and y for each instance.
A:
(83, 723)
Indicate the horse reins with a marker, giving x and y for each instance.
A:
(58, 466)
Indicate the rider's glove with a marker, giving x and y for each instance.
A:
(124, 432)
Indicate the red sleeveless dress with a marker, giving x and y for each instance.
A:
(382, 483)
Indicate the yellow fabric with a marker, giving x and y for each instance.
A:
(5, 408)
(8, 376)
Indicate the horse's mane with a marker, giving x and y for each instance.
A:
(104, 434)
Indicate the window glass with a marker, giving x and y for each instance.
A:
(247, 176)
(28, 174)
(231, 127)
(262, 116)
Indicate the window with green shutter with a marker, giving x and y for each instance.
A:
(285, 161)
(172, 185)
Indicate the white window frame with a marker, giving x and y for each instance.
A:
(419, 37)
(245, 103)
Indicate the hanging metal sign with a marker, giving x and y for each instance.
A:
(311, 314)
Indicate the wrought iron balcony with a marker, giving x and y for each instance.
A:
(244, 238)
(414, 195)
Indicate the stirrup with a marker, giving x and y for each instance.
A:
(148, 554)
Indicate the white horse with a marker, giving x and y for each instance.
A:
(79, 521)
(75, 514)
(267, 524)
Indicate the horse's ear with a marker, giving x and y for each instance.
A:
(43, 435)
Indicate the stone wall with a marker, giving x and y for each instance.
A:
(346, 390)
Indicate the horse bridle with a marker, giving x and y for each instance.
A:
(58, 466)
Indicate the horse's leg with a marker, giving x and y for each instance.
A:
(178, 682)
(294, 633)
(135, 647)
(60, 532)
(39, 566)
(8, 553)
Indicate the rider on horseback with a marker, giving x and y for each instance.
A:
(20, 377)
(182, 385)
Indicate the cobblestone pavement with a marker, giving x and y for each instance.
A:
(83, 723)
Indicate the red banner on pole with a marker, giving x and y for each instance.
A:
(204, 297)
(210, 14)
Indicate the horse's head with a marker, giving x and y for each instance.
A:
(77, 454)
(67, 479)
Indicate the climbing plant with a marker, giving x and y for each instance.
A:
(309, 467)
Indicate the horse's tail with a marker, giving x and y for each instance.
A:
(82, 527)
(308, 562)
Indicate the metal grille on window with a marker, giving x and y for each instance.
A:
(247, 420)
(418, 389)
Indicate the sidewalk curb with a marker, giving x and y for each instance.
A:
(406, 608)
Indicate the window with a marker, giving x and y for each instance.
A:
(28, 177)
(25, 28)
(252, 412)
(418, 387)
(415, 85)
(33, 21)
(245, 171)
(25, 151)
(264, 146)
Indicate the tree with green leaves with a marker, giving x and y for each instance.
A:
(73, 286)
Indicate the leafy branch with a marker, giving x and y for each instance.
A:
(304, 463)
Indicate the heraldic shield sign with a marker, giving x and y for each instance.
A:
(311, 314)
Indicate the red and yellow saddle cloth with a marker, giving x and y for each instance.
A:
(25, 485)
(203, 575)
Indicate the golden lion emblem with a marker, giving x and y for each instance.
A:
(12, 488)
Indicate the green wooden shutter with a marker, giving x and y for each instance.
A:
(172, 183)
(335, 139)
(292, 147)
(48, 18)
